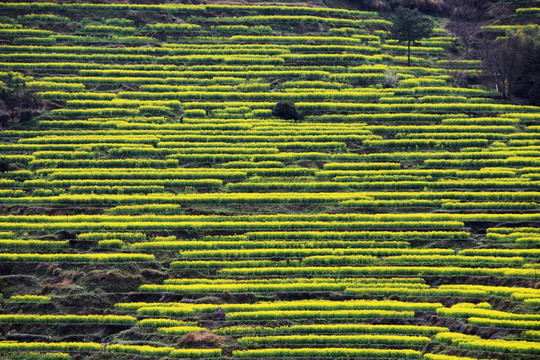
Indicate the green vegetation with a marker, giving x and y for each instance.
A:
(248, 181)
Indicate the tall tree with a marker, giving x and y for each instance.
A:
(513, 63)
(410, 26)
(13, 93)
(17, 101)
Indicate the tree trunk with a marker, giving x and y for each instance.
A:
(409, 54)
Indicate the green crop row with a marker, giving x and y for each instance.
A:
(108, 29)
(531, 334)
(328, 95)
(213, 76)
(104, 163)
(467, 312)
(36, 356)
(145, 209)
(329, 329)
(284, 186)
(215, 245)
(238, 288)
(319, 314)
(47, 346)
(366, 255)
(185, 49)
(75, 319)
(37, 299)
(179, 330)
(387, 117)
(147, 350)
(166, 27)
(411, 291)
(471, 342)
(378, 270)
(513, 324)
(428, 144)
(268, 9)
(534, 253)
(334, 340)
(231, 225)
(167, 59)
(77, 257)
(359, 235)
(116, 189)
(444, 204)
(298, 19)
(327, 305)
(531, 10)
(180, 183)
(163, 322)
(59, 86)
(326, 353)
(118, 79)
(342, 258)
(25, 32)
(352, 217)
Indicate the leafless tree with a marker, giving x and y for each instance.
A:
(465, 31)
(466, 19)
(468, 10)
(507, 62)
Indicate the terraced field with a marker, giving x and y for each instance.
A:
(157, 209)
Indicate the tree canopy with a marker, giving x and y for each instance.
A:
(286, 110)
(410, 26)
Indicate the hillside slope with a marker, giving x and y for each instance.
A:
(153, 205)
